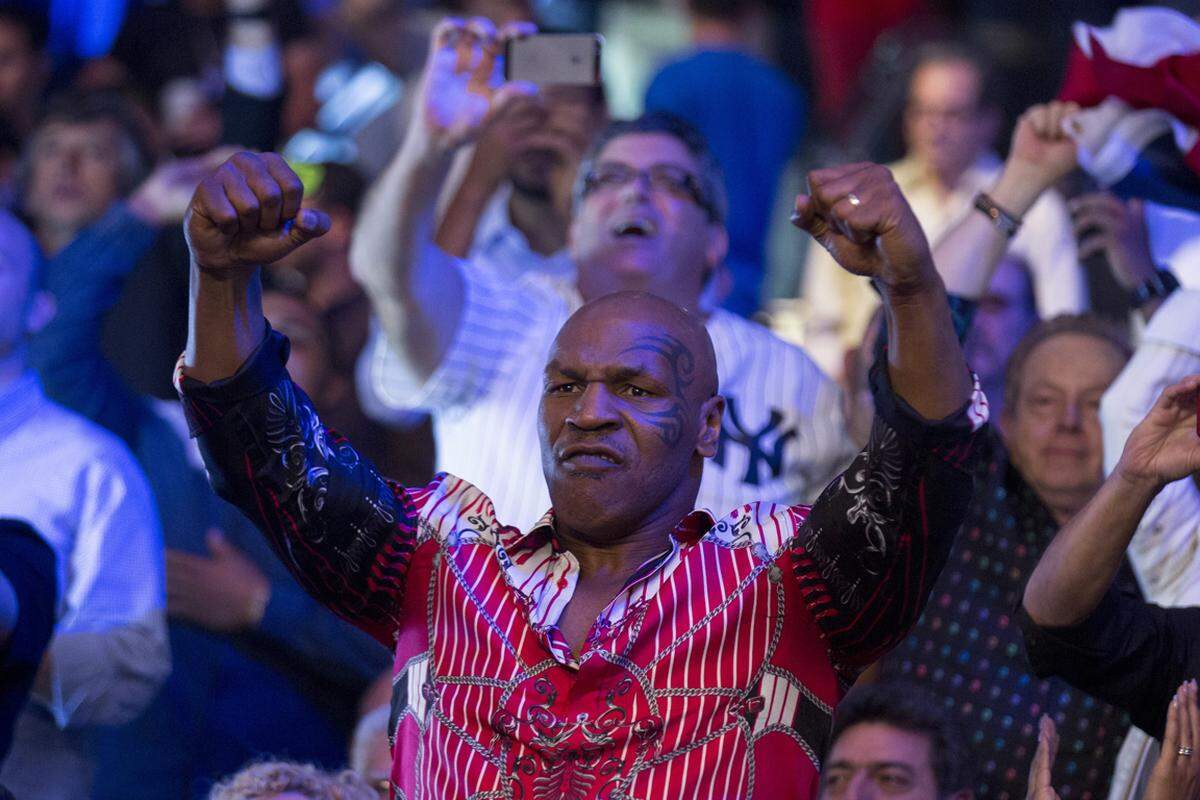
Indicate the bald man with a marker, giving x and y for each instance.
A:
(626, 645)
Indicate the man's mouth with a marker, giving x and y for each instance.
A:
(639, 227)
(589, 455)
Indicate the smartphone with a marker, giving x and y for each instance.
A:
(549, 59)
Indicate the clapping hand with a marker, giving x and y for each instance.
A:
(1176, 774)
(1041, 785)
(463, 84)
(858, 214)
(224, 591)
(1164, 446)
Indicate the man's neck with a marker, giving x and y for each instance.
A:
(54, 239)
(717, 34)
(543, 225)
(945, 183)
(12, 367)
(613, 559)
(1063, 506)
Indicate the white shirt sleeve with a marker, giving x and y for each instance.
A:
(1046, 243)
(1165, 551)
(497, 314)
(109, 653)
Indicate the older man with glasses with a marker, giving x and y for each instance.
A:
(462, 339)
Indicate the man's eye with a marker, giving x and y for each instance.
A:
(892, 780)
(636, 391)
(561, 388)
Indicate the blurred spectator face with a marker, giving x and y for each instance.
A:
(1053, 428)
(1005, 314)
(945, 126)
(501, 12)
(555, 150)
(646, 233)
(74, 173)
(309, 361)
(877, 760)
(23, 69)
(22, 310)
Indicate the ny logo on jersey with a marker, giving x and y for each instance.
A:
(756, 443)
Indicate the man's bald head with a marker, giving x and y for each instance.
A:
(673, 322)
(629, 413)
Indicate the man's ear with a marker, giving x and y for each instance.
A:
(40, 311)
(711, 411)
(717, 245)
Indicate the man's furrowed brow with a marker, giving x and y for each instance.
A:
(612, 373)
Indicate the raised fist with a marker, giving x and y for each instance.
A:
(247, 214)
(858, 213)
(1040, 144)
(463, 82)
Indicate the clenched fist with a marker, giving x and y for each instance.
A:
(247, 214)
(858, 214)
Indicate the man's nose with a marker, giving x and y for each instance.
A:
(593, 408)
(638, 187)
(860, 787)
(1072, 415)
(70, 159)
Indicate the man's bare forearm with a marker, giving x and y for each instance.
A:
(1080, 564)
(225, 324)
(967, 255)
(466, 206)
(414, 288)
(925, 361)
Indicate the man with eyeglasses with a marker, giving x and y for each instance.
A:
(467, 341)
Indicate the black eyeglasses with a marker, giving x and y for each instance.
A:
(669, 178)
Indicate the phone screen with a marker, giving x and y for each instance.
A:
(561, 59)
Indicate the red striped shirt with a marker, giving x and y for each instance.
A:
(714, 672)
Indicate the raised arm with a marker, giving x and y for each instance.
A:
(415, 287)
(876, 539)
(1041, 153)
(1079, 565)
(345, 533)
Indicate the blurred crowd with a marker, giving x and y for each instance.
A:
(153, 643)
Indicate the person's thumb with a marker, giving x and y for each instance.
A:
(218, 545)
(308, 225)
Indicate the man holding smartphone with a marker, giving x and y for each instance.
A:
(466, 341)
